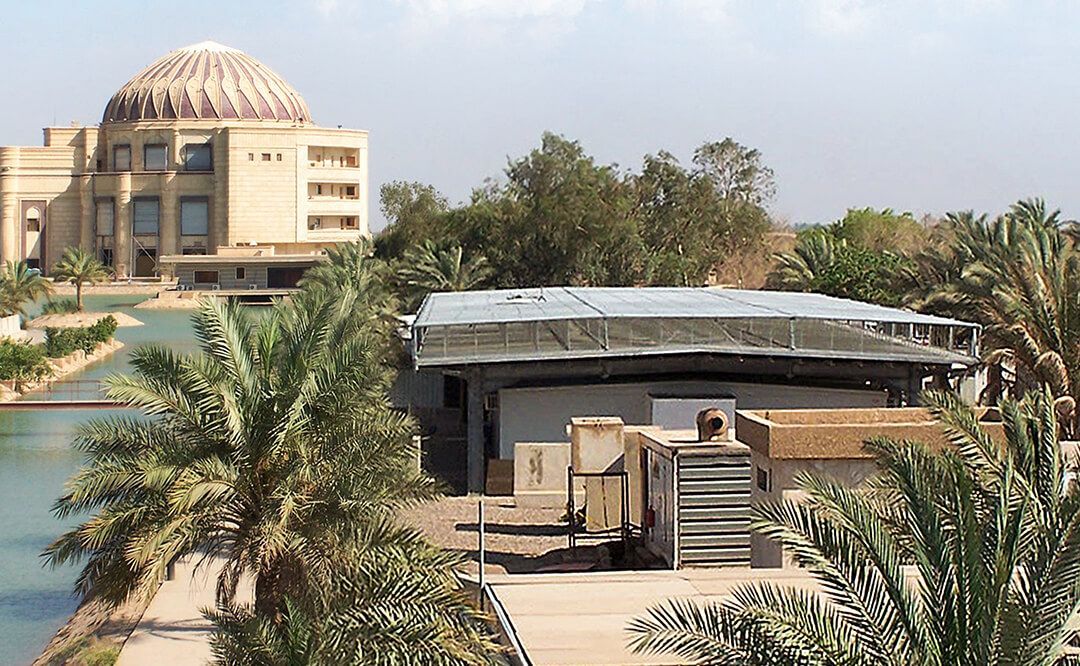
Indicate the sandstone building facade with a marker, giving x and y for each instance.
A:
(203, 163)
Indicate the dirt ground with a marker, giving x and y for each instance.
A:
(92, 622)
(518, 539)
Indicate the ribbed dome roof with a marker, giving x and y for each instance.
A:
(207, 81)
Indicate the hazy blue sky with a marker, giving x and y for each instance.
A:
(922, 105)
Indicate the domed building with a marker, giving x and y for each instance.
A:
(206, 165)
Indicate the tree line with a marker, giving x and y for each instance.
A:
(560, 218)
(1017, 274)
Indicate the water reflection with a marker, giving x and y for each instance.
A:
(35, 460)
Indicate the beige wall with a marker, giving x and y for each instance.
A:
(249, 199)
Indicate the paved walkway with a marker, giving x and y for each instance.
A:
(172, 630)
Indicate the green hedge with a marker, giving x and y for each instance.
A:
(22, 362)
(63, 341)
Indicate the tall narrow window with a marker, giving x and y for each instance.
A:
(145, 215)
(194, 216)
(104, 217)
(122, 158)
(197, 157)
(155, 157)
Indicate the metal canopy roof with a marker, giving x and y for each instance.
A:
(555, 303)
(575, 322)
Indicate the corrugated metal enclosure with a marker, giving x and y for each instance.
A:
(698, 500)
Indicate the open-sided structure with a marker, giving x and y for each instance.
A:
(662, 338)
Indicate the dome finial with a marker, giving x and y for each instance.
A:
(209, 45)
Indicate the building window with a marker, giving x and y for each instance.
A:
(121, 158)
(251, 157)
(33, 219)
(279, 157)
(350, 191)
(103, 217)
(348, 222)
(100, 165)
(206, 277)
(318, 189)
(314, 224)
(194, 216)
(266, 157)
(198, 157)
(241, 273)
(194, 251)
(107, 256)
(145, 216)
(764, 483)
(155, 157)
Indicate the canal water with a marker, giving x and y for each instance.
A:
(35, 459)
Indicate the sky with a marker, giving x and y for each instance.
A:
(925, 106)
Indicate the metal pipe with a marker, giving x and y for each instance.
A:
(480, 521)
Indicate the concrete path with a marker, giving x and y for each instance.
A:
(172, 630)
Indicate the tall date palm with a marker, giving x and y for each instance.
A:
(968, 556)
(272, 449)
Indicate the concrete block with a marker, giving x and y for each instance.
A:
(596, 442)
(540, 473)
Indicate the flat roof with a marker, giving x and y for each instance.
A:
(242, 259)
(556, 303)
(581, 619)
(460, 328)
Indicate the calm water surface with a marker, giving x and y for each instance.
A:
(35, 459)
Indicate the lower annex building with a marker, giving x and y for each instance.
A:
(206, 165)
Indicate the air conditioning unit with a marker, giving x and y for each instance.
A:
(215, 287)
(252, 285)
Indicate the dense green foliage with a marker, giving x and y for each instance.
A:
(79, 267)
(275, 451)
(968, 556)
(392, 578)
(861, 256)
(22, 362)
(1018, 275)
(60, 342)
(60, 306)
(561, 218)
(19, 286)
(432, 266)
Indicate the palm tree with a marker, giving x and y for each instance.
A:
(441, 267)
(815, 251)
(354, 266)
(271, 449)
(347, 624)
(1020, 279)
(966, 556)
(79, 267)
(19, 285)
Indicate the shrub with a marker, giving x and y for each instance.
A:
(22, 362)
(63, 341)
(60, 306)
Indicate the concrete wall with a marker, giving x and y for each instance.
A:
(781, 485)
(542, 414)
(540, 473)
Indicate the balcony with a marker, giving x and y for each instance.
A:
(322, 227)
(328, 157)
